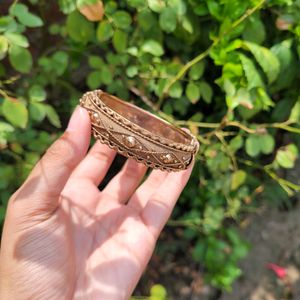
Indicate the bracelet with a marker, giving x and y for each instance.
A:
(138, 134)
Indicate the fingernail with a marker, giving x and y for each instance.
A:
(76, 118)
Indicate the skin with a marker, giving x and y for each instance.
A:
(64, 239)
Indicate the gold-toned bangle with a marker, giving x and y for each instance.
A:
(138, 134)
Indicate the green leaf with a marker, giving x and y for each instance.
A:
(286, 156)
(288, 64)
(153, 47)
(168, 20)
(146, 19)
(266, 59)
(132, 71)
(6, 127)
(156, 5)
(17, 39)
(237, 179)
(229, 88)
(192, 92)
(122, 19)
(120, 40)
(94, 79)
(67, 6)
(236, 143)
(213, 217)
(79, 28)
(111, 7)
(252, 75)
(3, 47)
(60, 61)
(242, 96)
(8, 24)
(295, 112)
(187, 24)
(267, 143)
(104, 31)
(197, 70)
(37, 93)
(179, 6)
(136, 3)
(20, 58)
(176, 90)
(206, 91)
(254, 31)
(24, 16)
(158, 292)
(253, 145)
(95, 62)
(106, 75)
(37, 111)
(264, 99)
(15, 112)
(52, 116)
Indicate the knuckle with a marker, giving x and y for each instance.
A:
(103, 157)
(131, 170)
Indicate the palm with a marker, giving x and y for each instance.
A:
(112, 246)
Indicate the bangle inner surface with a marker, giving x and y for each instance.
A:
(145, 120)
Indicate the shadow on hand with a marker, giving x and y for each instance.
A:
(48, 248)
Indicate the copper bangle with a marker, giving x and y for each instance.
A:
(138, 134)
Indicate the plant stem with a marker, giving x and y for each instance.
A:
(205, 53)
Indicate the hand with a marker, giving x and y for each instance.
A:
(64, 239)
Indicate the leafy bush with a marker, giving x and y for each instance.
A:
(225, 69)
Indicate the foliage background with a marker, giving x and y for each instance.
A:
(228, 70)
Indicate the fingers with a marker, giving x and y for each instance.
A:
(96, 164)
(122, 186)
(161, 203)
(141, 196)
(42, 189)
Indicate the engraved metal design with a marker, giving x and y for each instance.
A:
(132, 140)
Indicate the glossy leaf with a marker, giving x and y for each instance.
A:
(197, 70)
(251, 72)
(156, 5)
(79, 28)
(286, 156)
(3, 47)
(104, 31)
(153, 47)
(237, 179)
(168, 20)
(17, 39)
(206, 91)
(121, 19)
(37, 93)
(266, 59)
(20, 58)
(120, 40)
(52, 116)
(15, 112)
(24, 16)
(253, 145)
(193, 92)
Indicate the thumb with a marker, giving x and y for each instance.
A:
(41, 191)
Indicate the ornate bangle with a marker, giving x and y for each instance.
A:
(138, 134)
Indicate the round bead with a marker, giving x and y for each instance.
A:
(168, 158)
(95, 117)
(130, 141)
